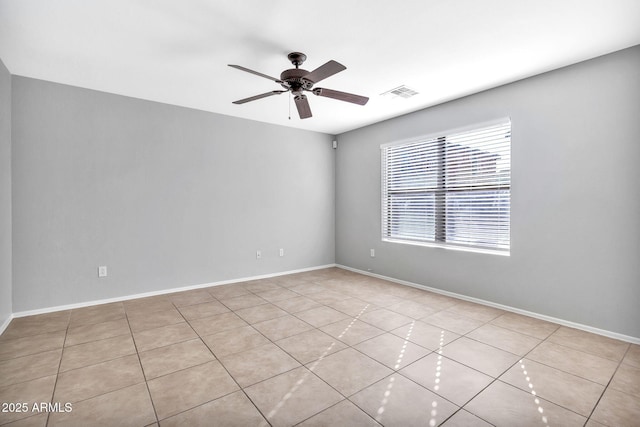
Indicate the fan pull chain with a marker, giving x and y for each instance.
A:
(289, 105)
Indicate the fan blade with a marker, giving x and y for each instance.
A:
(303, 106)
(322, 72)
(239, 67)
(264, 95)
(342, 96)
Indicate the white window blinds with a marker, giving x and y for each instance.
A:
(453, 190)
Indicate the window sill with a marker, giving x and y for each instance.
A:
(449, 247)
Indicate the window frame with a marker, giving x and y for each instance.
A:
(439, 231)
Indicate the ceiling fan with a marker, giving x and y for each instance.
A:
(297, 81)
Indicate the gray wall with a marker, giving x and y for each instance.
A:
(5, 194)
(163, 196)
(575, 218)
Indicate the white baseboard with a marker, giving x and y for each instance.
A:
(5, 324)
(154, 293)
(587, 328)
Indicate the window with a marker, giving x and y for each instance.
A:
(452, 190)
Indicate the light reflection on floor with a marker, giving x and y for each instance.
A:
(387, 392)
(436, 387)
(533, 392)
(302, 379)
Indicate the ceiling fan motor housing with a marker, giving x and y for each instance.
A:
(294, 79)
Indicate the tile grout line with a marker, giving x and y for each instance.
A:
(30, 354)
(144, 377)
(606, 387)
(346, 399)
(55, 385)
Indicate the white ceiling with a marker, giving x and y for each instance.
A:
(177, 51)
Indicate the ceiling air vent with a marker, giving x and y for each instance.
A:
(400, 91)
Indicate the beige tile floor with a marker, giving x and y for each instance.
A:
(323, 348)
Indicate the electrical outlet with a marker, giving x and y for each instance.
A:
(373, 253)
(102, 271)
(258, 254)
(281, 251)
